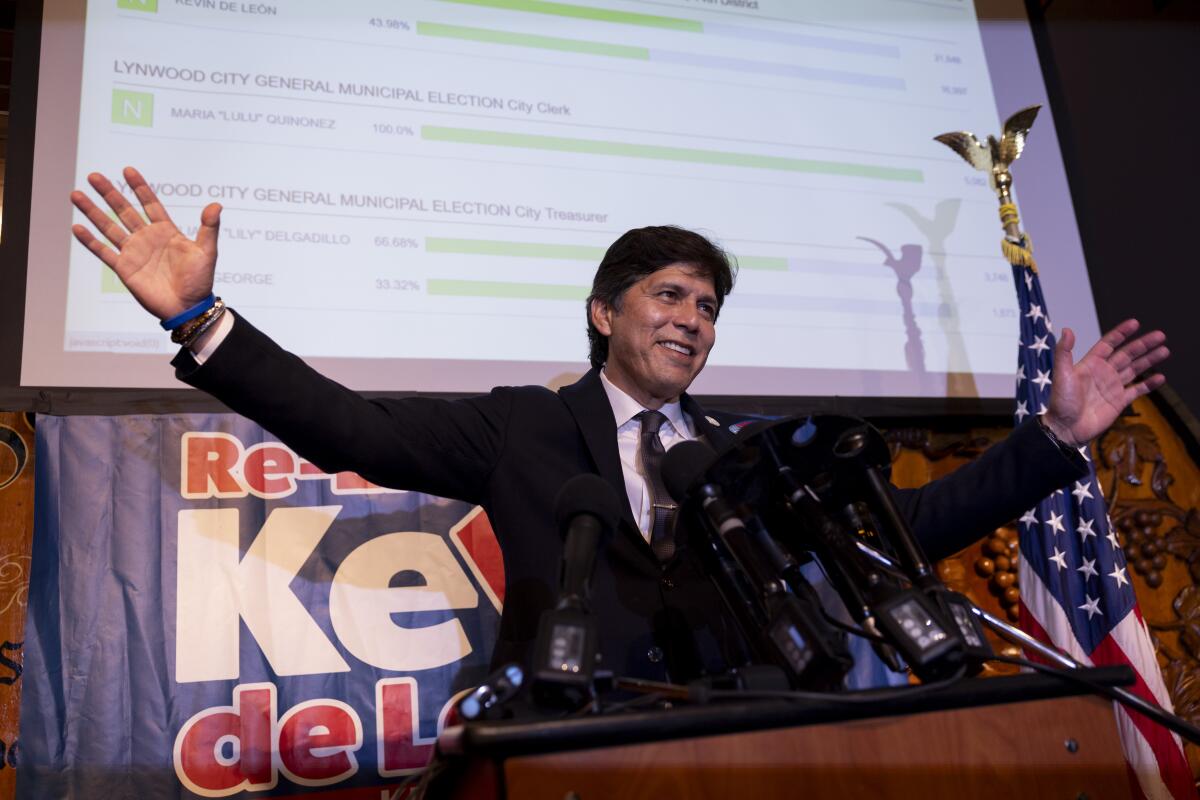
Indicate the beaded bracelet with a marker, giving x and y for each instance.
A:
(190, 332)
(183, 331)
(207, 321)
(189, 314)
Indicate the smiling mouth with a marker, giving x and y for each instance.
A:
(678, 348)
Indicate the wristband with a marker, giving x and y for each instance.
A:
(190, 314)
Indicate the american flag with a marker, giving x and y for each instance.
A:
(1075, 589)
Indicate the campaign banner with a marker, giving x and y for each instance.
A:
(210, 615)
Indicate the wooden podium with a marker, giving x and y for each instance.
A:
(1023, 736)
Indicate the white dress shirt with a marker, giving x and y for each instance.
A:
(678, 428)
(220, 331)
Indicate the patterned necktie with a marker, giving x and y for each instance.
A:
(650, 451)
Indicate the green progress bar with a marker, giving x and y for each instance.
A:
(531, 40)
(519, 291)
(488, 247)
(569, 252)
(586, 12)
(563, 144)
(762, 262)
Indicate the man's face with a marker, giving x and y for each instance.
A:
(659, 340)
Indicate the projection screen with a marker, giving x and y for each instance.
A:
(416, 194)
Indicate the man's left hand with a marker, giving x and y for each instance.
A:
(1086, 398)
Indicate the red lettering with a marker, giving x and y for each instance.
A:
(309, 469)
(209, 461)
(397, 728)
(317, 741)
(269, 470)
(225, 750)
(350, 483)
(477, 544)
(217, 465)
(229, 749)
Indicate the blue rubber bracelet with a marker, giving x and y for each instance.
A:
(190, 314)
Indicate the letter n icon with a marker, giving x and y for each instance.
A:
(133, 108)
(139, 5)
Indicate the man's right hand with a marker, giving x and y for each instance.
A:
(163, 269)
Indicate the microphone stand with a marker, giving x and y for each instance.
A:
(850, 449)
(1022, 639)
(1121, 695)
(789, 630)
(932, 601)
(565, 651)
(901, 616)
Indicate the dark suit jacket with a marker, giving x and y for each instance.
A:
(512, 449)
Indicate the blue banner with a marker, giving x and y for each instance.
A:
(211, 615)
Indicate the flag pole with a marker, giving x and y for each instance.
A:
(1075, 595)
(994, 157)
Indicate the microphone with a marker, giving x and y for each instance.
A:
(910, 621)
(586, 509)
(683, 469)
(794, 634)
(564, 656)
(495, 690)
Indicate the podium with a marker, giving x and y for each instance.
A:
(1027, 736)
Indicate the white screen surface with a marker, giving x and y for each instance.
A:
(417, 194)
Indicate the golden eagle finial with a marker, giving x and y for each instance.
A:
(994, 156)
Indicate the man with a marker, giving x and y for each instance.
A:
(651, 318)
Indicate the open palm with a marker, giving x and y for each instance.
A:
(163, 269)
(1087, 397)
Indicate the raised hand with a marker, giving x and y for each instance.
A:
(163, 269)
(1086, 398)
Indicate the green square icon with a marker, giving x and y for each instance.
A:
(133, 108)
(139, 5)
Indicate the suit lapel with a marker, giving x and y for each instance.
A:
(588, 404)
(594, 415)
(707, 428)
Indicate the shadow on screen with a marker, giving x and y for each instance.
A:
(960, 380)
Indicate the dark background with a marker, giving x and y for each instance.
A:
(1122, 76)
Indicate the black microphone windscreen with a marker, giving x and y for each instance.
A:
(683, 465)
(587, 494)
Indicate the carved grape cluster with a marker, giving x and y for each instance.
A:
(1144, 545)
(999, 565)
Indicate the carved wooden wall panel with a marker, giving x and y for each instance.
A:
(16, 537)
(1153, 490)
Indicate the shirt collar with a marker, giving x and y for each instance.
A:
(626, 408)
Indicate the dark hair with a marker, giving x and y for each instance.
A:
(642, 251)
